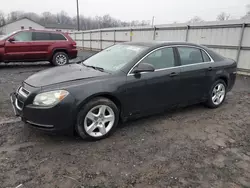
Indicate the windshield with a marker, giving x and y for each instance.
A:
(115, 57)
(2, 37)
(6, 36)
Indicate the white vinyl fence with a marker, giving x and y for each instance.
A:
(229, 38)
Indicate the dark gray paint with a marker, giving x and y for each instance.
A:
(135, 95)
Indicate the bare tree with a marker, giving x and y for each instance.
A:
(247, 16)
(14, 15)
(62, 17)
(2, 19)
(1, 31)
(2, 22)
(48, 18)
(196, 19)
(223, 16)
(33, 16)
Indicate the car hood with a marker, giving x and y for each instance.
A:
(62, 74)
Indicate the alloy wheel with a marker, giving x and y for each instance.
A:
(99, 121)
(61, 59)
(218, 94)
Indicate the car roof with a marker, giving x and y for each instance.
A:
(161, 43)
(156, 44)
(35, 30)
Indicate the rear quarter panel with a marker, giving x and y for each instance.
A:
(58, 45)
(225, 70)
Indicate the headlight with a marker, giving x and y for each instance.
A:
(50, 98)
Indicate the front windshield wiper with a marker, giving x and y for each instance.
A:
(94, 67)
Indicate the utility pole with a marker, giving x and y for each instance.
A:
(153, 20)
(78, 20)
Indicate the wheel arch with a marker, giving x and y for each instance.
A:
(224, 78)
(109, 96)
(54, 51)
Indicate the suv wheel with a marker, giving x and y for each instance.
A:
(97, 119)
(60, 58)
(217, 94)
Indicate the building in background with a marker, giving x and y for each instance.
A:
(26, 23)
(61, 27)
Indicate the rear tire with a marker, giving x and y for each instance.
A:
(60, 59)
(217, 94)
(98, 119)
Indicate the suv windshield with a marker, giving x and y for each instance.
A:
(115, 57)
(6, 36)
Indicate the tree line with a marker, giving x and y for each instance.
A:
(86, 23)
(223, 16)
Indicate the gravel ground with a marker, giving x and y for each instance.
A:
(188, 147)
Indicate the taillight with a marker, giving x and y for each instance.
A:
(74, 45)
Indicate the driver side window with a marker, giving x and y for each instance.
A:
(23, 36)
(160, 59)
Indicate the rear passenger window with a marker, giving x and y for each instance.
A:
(39, 36)
(205, 56)
(55, 36)
(189, 55)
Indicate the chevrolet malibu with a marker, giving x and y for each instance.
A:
(124, 81)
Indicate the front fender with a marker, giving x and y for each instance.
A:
(111, 88)
(110, 96)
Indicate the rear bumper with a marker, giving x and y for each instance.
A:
(60, 118)
(73, 54)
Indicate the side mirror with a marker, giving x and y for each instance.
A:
(11, 39)
(143, 67)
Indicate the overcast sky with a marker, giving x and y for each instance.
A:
(165, 11)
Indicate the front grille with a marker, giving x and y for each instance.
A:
(23, 92)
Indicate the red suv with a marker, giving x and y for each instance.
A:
(34, 45)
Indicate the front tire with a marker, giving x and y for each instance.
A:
(217, 94)
(98, 119)
(60, 59)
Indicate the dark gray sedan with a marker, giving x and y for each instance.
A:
(121, 82)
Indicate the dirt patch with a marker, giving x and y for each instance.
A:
(189, 147)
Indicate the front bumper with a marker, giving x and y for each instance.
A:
(59, 118)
